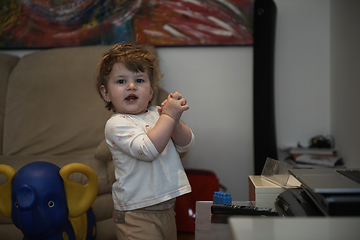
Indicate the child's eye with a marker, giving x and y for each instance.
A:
(140, 80)
(121, 81)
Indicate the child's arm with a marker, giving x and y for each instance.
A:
(161, 132)
(181, 134)
(168, 123)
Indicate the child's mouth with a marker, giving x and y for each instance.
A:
(131, 97)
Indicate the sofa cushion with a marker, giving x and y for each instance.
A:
(10, 232)
(7, 63)
(102, 152)
(52, 105)
(100, 168)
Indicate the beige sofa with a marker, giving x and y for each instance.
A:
(50, 111)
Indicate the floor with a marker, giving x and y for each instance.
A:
(185, 236)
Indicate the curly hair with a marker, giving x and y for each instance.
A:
(136, 58)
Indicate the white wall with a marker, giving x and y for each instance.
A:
(217, 81)
(345, 79)
(302, 71)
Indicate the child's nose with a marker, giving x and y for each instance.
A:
(131, 86)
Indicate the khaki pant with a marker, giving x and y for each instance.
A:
(145, 225)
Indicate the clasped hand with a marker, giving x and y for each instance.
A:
(174, 106)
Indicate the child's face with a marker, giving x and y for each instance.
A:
(129, 92)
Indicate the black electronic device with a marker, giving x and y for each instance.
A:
(296, 202)
(242, 210)
(333, 192)
(336, 204)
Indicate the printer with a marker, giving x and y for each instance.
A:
(323, 192)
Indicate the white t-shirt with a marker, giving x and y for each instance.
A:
(144, 177)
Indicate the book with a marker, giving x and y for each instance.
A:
(302, 165)
(325, 161)
(320, 151)
(296, 152)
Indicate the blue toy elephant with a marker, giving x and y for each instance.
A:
(44, 204)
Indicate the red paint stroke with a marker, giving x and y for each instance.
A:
(156, 22)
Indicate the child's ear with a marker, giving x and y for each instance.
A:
(104, 93)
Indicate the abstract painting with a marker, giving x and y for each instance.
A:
(28, 24)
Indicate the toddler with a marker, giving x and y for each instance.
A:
(144, 142)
